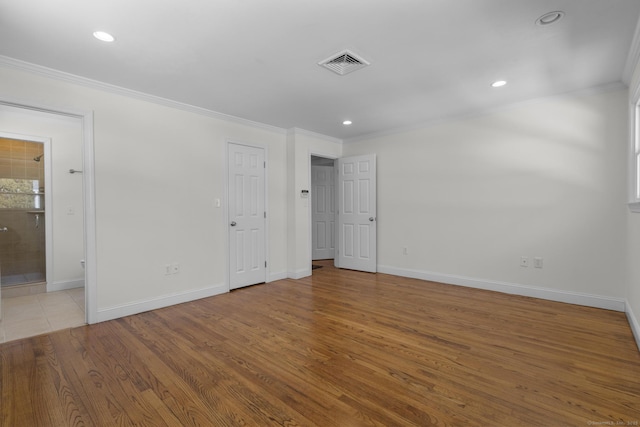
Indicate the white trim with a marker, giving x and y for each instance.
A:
(65, 284)
(578, 298)
(89, 196)
(633, 57)
(225, 214)
(129, 309)
(633, 322)
(299, 274)
(483, 112)
(48, 211)
(86, 120)
(276, 276)
(634, 94)
(632, 170)
(299, 131)
(631, 158)
(95, 84)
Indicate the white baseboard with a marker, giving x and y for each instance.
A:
(633, 322)
(299, 274)
(598, 301)
(276, 276)
(116, 312)
(64, 285)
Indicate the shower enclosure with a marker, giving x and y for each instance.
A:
(22, 225)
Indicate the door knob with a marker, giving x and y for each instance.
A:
(371, 218)
(233, 223)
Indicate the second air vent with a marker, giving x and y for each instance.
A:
(344, 62)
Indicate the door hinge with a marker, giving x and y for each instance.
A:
(265, 214)
(265, 264)
(264, 165)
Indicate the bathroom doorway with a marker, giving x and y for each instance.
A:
(23, 225)
(67, 139)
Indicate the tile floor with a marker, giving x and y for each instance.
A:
(32, 315)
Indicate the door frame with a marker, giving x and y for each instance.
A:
(225, 206)
(89, 196)
(309, 210)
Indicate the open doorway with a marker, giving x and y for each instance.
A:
(323, 210)
(343, 215)
(60, 298)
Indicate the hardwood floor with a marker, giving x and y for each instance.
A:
(341, 348)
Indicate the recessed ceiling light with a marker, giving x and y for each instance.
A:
(347, 122)
(550, 18)
(102, 36)
(499, 83)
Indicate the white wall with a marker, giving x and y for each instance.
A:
(470, 196)
(467, 197)
(157, 172)
(301, 145)
(66, 153)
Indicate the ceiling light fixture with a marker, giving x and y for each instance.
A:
(550, 18)
(347, 122)
(102, 36)
(499, 83)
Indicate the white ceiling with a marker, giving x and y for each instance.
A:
(257, 59)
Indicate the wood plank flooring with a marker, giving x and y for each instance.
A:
(341, 348)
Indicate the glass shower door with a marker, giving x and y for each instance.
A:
(22, 227)
(22, 237)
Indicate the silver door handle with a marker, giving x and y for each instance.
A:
(4, 230)
(371, 218)
(233, 223)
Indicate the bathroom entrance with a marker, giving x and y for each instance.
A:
(22, 214)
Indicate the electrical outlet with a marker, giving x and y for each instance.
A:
(537, 262)
(524, 261)
(171, 269)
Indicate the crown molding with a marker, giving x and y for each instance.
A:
(106, 87)
(299, 131)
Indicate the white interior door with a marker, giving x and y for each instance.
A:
(357, 213)
(323, 214)
(247, 215)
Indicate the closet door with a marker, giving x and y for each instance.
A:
(247, 216)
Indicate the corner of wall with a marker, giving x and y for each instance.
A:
(633, 322)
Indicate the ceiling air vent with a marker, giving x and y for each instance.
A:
(344, 62)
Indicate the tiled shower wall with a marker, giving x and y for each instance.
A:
(22, 248)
